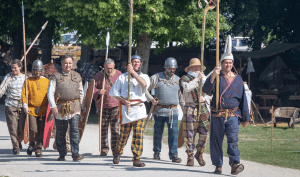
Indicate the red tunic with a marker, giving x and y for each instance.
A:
(108, 101)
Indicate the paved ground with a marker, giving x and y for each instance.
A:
(94, 165)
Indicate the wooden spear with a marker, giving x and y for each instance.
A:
(272, 123)
(207, 8)
(217, 55)
(26, 132)
(102, 96)
(43, 28)
(129, 49)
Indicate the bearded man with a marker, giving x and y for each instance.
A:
(168, 94)
(110, 106)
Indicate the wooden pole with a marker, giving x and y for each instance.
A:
(102, 96)
(129, 49)
(217, 56)
(43, 27)
(207, 8)
(26, 132)
(272, 128)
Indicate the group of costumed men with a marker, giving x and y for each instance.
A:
(64, 92)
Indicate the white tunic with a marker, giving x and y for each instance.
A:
(120, 89)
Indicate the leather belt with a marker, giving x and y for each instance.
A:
(224, 112)
(165, 106)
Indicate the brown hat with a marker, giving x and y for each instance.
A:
(194, 62)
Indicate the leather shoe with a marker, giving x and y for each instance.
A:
(176, 159)
(218, 170)
(156, 156)
(103, 153)
(30, 150)
(200, 159)
(116, 158)
(138, 163)
(236, 168)
(61, 158)
(77, 157)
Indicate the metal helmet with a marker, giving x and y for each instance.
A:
(170, 63)
(37, 65)
(136, 57)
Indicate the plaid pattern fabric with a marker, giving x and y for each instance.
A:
(15, 119)
(61, 130)
(109, 118)
(137, 138)
(187, 78)
(192, 126)
(172, 134)
(13, 90)
(36, 130)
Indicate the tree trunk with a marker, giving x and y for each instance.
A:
(46, 43)
(143, 50)
(17, 38)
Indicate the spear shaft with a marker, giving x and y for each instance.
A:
(102, 96)
(43, 27)
(217, 56)
(129, 50)
(26, 135)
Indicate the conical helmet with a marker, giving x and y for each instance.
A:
(228, 50)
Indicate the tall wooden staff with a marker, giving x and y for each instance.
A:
(102, 96)
(217, 56)
(37, 36)
(207, 8)
(272, 123)
(129, 50)
(26, 132)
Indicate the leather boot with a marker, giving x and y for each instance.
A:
(190, 160)
(218, 170)
(138, 163)
(199, 158)
(116, 159)
(236, 168)
(156, 156)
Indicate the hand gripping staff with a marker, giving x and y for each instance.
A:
(103, 86)
(209, 6)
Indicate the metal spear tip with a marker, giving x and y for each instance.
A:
(199, 4)
(44, 26)
(107, 39)
(22, 9)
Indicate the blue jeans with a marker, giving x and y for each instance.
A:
(172, 134)
(218, 129)
(61, 130)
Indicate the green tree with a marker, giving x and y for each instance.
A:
(154, 20)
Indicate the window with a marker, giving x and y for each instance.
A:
(234, 42)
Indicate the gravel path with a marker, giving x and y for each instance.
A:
(94, 165)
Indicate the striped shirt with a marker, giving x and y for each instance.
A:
(12, 90)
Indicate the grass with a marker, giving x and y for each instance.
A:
(255, 142)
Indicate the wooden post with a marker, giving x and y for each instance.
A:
(272, 123)
(217, 56)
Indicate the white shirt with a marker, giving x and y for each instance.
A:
(120, 89)
(51, 99)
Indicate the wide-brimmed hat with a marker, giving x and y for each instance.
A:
(194, 62)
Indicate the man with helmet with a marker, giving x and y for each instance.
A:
(167, 91)
(37, 87)
(233, 110)
(135, 118)
(191, 122)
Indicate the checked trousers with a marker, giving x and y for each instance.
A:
(137, 138)
(61, 130)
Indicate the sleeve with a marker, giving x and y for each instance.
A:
(181, 99)
(50, 94)
(24, 96)
(244, 106)
(188, 87)
(81, 94)
(147, 80)
(153, 84)
(98, 84)
(115, 90)
(209, 87)
(3, 86)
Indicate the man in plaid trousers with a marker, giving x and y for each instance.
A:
(192, 124)
(110, 106)
(65, 95)
(135, 118)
